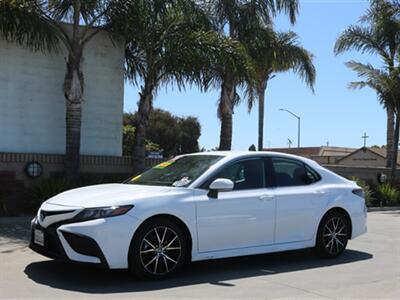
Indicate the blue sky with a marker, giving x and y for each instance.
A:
(334, 113)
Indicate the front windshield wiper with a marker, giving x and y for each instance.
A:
(152, 183)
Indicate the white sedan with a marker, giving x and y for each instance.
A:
(203, 206)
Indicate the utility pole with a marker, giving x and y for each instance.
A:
(298, 125)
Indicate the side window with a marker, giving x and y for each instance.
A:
(290, 172)
(246, 175)
(312, 176)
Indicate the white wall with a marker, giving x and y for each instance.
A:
(32, 105)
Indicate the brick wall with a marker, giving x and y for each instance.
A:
(12, 166)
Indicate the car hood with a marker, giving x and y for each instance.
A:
(109, 195)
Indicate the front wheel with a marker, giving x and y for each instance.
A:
(333, 235)
(158, 250)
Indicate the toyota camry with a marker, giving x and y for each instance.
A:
(202, 206)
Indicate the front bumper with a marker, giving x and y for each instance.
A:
(54, 248)
(102, 242)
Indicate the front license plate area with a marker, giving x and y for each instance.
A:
(38, 237)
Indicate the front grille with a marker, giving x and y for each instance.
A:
(44, 214)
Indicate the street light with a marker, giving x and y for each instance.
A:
(298, 125)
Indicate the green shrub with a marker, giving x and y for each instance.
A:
(48, 188)
(368, 191)
(388, 193)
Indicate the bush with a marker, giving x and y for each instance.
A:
(48, 188)
(388, 194)
(368, 191)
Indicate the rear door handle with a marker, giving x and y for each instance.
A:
(266, 197)
(319, 193)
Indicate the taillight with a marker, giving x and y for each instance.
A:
(358, 192)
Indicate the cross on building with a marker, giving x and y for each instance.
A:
(365, 137)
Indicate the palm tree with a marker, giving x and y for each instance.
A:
(386, 83)
(378, 34)
(37, 24)
(230, 16)
(170, 42)
(275, 52)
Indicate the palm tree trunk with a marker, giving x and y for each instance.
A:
(261, 110)
(73, 92)
(142, 121)
(389, 137)
(395, 149)
(73, 138)
(225, 112)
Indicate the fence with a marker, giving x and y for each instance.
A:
(12, 165)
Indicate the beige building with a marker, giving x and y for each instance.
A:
(341, 156)
(323, 154)
(365, 157)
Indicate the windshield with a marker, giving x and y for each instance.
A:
(178, 172)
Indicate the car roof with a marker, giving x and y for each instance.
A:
(238, 154)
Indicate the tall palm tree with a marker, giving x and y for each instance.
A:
(377, 34)
(386, 83)
(275, 52)
(171, 42)
(37, 24)
(230, 17)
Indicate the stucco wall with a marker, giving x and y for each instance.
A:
(32, 105)
(368, 174)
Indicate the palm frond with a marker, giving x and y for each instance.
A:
(25, 23)
(386, 84)
(174, 46)
(62, 10)
(362, 39)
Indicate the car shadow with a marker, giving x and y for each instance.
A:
(217, 272)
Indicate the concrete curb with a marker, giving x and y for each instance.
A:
(385, 208)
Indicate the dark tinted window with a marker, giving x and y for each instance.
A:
(246, 174)
(290, 172)
(312, 175)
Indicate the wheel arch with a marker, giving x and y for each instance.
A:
(342, 211)
(179, 222)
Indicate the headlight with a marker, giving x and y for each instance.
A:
(102, 212)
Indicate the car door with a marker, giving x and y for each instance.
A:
(300, 200)
(243, 217)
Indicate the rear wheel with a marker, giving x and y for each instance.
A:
(333, 235)
(158, 250)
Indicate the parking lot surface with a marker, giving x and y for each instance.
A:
(370, 268)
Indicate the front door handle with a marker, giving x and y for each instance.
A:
(266, 197)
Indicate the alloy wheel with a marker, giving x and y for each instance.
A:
(160, 250)
(335, 235)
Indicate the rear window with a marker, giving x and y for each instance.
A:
(290, 172)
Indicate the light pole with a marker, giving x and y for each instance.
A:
(298, 125)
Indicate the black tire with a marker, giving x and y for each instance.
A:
(333, 235)
(150, 259)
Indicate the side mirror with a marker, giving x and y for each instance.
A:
(220, 185)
